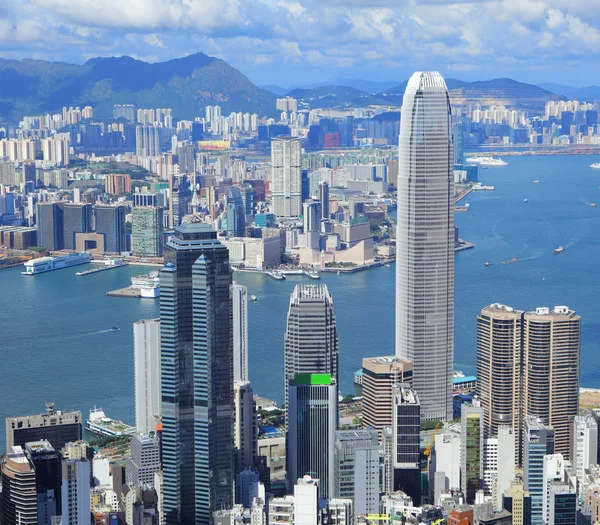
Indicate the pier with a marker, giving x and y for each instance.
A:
(102, 269)
(134, 293)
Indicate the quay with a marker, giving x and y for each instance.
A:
(134, 293)
(462, 196)
(463, 245)
(102, 268)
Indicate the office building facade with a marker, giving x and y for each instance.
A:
(311, 342)
(77, 218)
(356, 469)
(49, 217)
(19, 494)
(312, 422)
(236, 213)
(196, 375)
(324, 199)
(146, 369)
(379, 375)
(471, 469)
(245, 432)
(75, 491)
(144, 459)
(110, 223)
(286, 168)
(425, 265)
(48, 480)
(147, 235)
(239, 298)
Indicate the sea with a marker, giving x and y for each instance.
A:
(56, 342)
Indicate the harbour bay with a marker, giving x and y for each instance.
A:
(55, 325)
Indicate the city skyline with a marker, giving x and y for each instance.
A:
(466, 39)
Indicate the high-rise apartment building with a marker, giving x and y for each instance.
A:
(146, 366)
(77, 218)
(551, 341)
(236, 213)
(311, 339)
(126, 111)
(50, 225)
(324, 198)
(584, 444)
(406, 427)
(538, 441)
(245, 431)
(196, 376)
(379, 375)
(311, 216)
(117, 183)
(506, 462)
(57, 427)
(147, 236)
(312, 422)
(471, 469)
(356, 469)
(19, 493)
(110, 222)
(147, 141)
(425, 265)
(286, 166)
(144, 459)
(239, 298)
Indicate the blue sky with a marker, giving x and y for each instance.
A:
(290, 42)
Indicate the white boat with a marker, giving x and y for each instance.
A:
(487, 161)
(49, 264)
(593, 205)
(524, 200)
(254, 298)
(595, 166)
(558, 250)
(148, 284)
(104, 426)
(536, 181)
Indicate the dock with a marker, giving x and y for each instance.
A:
(134, 293)
(102, 269)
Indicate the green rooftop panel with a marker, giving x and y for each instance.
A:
(312, 379)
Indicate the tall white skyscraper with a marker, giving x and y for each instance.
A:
(239, 298)
(425, 240)
(286, 166)
(146, 348)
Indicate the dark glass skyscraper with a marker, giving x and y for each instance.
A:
(50, 225)
(236, 213)
(196, 376)
(77, 218)
(110, 221)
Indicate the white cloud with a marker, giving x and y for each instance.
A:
(154, 40)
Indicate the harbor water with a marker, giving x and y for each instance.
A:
(56, 342)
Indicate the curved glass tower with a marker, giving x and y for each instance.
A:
(425, 242)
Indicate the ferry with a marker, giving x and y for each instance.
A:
(595, 166)
(103, 426)
(487, 263)
(524, 200)
(593, 205)
(254, 298)
(536, 181)
(558, 250)
(488, 161)
(148, 284)
(49, 264)
(513, 260)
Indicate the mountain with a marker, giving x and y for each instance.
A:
(332, 96)
(274, 88)
(559, 89)
(486, 92)
(369, 86)
(31, 87)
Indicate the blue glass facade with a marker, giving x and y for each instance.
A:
(236, 213)
(197, 373)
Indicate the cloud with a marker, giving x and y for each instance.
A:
(289, 40)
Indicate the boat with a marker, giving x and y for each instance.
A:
(488, 263)
(49, 264)
(467, 204)
(513, 260)
(114, 329)
(387, 265)
(595, 166)
(558, 250)
(148, 284)
(593, 205)
(484, 162)
(101, 425)
(254, 298)
(524, 200)
(536, 181)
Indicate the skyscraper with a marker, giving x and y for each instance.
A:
(312, 422)
(286, 165)
(471, 468)
(245, 425)
(239, 297)
(147, 238)
(499, 354)
(75, 491)
(538, 441)
(77, 218)
(406, 427)
(324, 198)
(236, 213)
(551, 340)
(146, 366)
(144, 459)
(19, 496)
(311, 340)
(47, 464)
(110, 222)
(356, 469)
(425, 265)
(311, 212)
(196, 375)
(50, 225)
